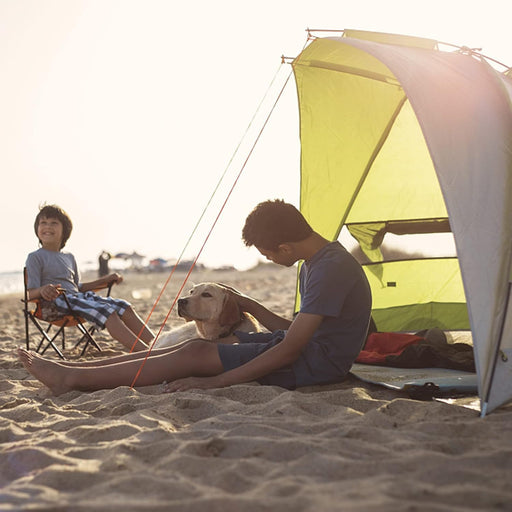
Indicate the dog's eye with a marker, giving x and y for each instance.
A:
(206, 294)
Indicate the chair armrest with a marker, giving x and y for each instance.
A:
(106, 286)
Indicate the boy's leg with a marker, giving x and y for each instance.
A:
(134, 322)
(119, 331)
(99, 310)
(197, 358)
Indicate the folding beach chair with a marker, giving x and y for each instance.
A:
(45, 316)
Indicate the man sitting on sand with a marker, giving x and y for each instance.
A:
(317, 347)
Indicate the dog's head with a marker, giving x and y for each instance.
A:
(209, 302)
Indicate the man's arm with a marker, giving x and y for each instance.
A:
(283, 354)
(265, 317)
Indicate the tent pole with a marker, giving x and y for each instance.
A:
(483, 407)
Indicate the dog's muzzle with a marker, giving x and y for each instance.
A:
(182, 307)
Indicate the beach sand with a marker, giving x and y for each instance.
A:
(347, 447)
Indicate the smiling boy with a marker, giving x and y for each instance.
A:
(50, 271)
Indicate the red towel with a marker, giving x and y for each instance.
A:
(380, 345)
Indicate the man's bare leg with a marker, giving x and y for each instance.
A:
(140, 356)
(133, 356)
(197, 358)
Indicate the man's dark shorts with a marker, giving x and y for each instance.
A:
(252, 345)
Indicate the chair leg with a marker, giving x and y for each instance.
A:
(47, 331)
(46, 337)
(87, 337)
(51, 342)
(27, 336)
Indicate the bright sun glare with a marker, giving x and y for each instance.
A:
(127, 113)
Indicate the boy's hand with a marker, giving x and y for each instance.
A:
(115, 278)
(50, 292)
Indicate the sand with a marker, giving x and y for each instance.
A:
(348, 447)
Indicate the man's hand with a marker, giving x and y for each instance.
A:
(265, 317)
(193, 383)
(244, 301)
(234, 291)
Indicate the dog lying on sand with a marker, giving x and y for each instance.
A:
(211, 313)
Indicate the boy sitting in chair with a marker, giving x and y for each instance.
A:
(51, 271)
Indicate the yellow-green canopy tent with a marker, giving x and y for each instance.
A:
(400, 137)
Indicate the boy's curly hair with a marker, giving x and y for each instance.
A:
(52, 211)
(272, 223)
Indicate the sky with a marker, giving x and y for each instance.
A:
(127, 113)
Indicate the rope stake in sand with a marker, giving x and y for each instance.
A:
(237, 178)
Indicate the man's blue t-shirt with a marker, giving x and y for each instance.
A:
(333, 284)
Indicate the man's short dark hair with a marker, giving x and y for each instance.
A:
(52, 211)
(273, 223)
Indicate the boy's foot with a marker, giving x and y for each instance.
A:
(51, 374)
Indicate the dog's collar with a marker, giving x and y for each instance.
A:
(231, 329)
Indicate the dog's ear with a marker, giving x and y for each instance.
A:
(230, 313)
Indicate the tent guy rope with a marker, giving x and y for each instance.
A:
(201, 216)
(236, 180)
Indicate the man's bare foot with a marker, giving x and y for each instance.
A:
(50, 373)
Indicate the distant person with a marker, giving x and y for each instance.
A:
(317, 347)
(103, 260)
(50, 270)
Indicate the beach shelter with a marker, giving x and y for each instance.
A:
(401, 136)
